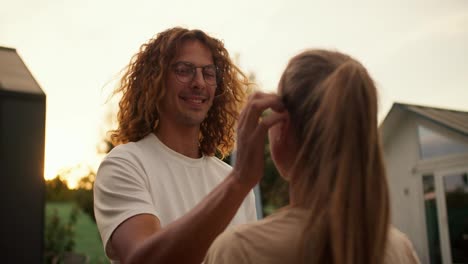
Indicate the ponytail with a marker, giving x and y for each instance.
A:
(342, 177)
(359, 206)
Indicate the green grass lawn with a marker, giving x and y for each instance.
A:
(87, 240)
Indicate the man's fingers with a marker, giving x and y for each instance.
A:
(261, 101)
(258, 102)
(272, 119)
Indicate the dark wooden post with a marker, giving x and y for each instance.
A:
(22, 137)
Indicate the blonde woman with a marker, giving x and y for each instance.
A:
(328, 149)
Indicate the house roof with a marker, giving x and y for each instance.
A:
(14, 75)
(453, 120)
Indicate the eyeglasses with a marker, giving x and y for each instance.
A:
(186, 72)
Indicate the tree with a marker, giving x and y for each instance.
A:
(58, 191)
(274, 189)
(59, 236)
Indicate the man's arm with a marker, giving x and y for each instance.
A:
(140, 239)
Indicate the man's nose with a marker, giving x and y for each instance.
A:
(198, 80)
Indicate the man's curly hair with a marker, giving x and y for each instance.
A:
(143, 87)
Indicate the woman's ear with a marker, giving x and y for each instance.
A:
(283, 147)
(290, 146)
(285, 130)
(281, 131)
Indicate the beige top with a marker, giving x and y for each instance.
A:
(276, 239)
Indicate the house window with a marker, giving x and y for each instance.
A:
(433, 144)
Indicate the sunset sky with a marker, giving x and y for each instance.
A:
(417, 51)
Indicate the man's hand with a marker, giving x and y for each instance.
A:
(251, 133)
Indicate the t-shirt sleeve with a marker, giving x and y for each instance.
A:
(120, 192)
(226, 249)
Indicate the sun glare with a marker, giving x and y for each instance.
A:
(71, 160)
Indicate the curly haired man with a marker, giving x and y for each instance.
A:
(162, 195)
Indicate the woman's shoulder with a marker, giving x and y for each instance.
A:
(264, 241)
(279, 223)
(399, 248)
(227, 248)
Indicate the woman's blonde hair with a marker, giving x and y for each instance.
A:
(143, 87)
(339, 172)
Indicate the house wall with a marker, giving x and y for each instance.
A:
(401, 151)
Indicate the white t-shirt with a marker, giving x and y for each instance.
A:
(147, 177)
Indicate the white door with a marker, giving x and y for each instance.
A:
(451, 191)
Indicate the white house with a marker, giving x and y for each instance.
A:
(426, 154)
